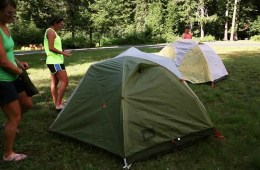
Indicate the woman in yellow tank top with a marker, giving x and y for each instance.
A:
(13, 99)
(55, 61)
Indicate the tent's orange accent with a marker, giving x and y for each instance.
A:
(219, 135)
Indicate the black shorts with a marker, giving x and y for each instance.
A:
(54, 68)
(9, 90)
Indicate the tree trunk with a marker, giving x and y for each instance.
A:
(99, 40)
(226, 23)
(233, 21)
(72, 24)
(73, 30)
(202, 23)
(71, 11)
(202, 30)
(90, 36)
(238, 19)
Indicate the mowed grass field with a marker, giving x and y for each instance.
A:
(234, 106)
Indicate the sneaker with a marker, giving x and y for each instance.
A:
(60, 107)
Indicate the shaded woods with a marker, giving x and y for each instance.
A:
(107, 22)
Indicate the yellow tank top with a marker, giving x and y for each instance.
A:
(53, 58)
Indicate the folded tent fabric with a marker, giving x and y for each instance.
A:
(30, 88)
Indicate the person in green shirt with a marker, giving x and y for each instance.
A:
(13, 99)
(55, 60)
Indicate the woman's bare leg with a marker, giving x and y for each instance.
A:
(63, 80)
(13, 113)
(54, 88)
(25, 102)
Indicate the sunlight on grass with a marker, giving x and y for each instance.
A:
(230, 53)
(78, 69)
(230, 49)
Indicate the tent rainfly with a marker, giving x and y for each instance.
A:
(134, 106)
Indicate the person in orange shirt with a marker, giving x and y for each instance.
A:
(187, 33)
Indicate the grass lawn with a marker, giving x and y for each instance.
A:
(233, 106)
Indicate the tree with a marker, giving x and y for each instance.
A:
(233, 21)
(73, 15)
(123, 19)
(154, 18)
(85, 22)
(171, 23)
(172, 18)
(248, 12)
(108, 15)
(203, 18)
(255, 28)
(39, 11)
(226, 21)
(140, 15)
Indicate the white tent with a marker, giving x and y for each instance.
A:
(197, 62)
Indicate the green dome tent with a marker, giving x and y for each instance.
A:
(197, 62)
(134, 106)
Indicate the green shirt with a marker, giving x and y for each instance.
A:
(8, 43)
(53, 58)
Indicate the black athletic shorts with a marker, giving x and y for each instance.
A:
(9, 90)
(54, 68)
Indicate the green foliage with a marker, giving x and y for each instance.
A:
(154, 19)
(140, 15)
(130, 39)
(121, 19)
(255, 38)
(40, 11)
(207, 19)
(77, 42)
(207, 38)
(204, 17)
(186, 10)
(170, 37)
(255, 28)
(25, 33)
(249, 17)
(110, 17)
(172, 18)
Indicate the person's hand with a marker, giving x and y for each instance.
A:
(21, 73)
(67, 53)
(23, 65)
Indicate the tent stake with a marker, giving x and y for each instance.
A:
(126, 164)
